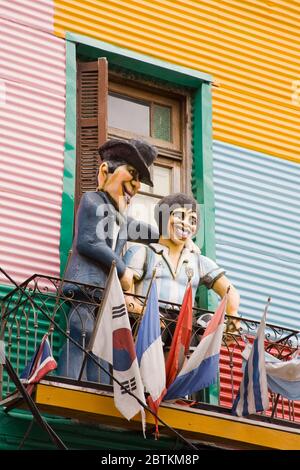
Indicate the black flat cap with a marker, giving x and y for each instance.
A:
(137, 153)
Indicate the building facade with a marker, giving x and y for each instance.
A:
(214, 84)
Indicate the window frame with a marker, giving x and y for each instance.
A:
(172, 155)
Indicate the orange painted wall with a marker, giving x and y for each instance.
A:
(251, 47)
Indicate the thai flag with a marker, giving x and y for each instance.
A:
(112, 341)
(149, 351)
(201, 370)
(252, 396)
(40, 364)
(181, 338)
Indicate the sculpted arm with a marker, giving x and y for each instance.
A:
(220, 287)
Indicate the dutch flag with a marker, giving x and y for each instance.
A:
(201, 370)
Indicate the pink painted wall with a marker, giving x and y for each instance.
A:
(32, 122)
(35, 13)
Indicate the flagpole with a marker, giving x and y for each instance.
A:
(98, 318)
(139, 319)
(274, 407)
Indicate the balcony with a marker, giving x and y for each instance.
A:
(39, 305)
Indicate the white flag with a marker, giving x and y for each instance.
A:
(113, 342)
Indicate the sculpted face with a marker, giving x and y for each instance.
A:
(121, 185)
(182, 225)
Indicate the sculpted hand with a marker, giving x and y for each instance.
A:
(126, 279)
(133, 306)
(232, 332)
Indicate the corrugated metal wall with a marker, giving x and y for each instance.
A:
(34, 13)
(258, 230)
(32, 122)
(252, 48)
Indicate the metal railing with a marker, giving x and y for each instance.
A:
(42, 304)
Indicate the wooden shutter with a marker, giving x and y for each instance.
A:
(91, 123)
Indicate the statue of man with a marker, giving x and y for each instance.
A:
(101, 231)
(174, 259)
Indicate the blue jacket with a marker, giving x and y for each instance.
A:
(92, 252)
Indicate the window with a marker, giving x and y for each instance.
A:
(111, 105)
(152, 115)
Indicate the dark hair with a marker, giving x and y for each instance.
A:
(168, 204)
(112, 165)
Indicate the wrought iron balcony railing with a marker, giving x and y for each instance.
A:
(41, 304)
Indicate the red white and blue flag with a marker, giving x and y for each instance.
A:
(201, 370)
(181, 338)
(149, 351)
(112, 341)
(40, 364)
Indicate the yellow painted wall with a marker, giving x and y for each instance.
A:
(251, 47)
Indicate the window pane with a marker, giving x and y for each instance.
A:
(162, 122)
(162, 180)
(145, 188)
(128, 115)
(142, 208)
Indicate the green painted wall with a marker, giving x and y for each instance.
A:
(13, 427)
(24, 330)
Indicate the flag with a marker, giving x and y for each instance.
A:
(252, 396)
(40, 364)
(149, 351)
(181, 338)
(201, 370)
(112, 341)
(283, 377)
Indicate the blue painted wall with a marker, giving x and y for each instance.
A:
(257, 203)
